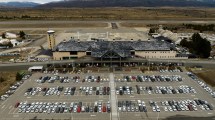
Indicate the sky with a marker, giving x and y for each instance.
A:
(37, 1)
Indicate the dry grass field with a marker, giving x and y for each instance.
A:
(207, 75)
(116, 13)
(127, 24)
(10, 79)
(56, 25)
(7, 58)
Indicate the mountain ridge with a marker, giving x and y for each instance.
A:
(129, 3)
(111, 3)
(18, 4)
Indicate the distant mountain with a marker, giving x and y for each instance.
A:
(18, 4)
(129, 3)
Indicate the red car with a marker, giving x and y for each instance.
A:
(133, 77)
(17, 104)
(79, 109)
(97, 80)
(104, 109)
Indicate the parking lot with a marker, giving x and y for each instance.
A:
(160, 91)
(151, 95)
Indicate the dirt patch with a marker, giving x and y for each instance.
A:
(206, 75)
(10, 79)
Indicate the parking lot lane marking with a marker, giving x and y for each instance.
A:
(5, 108)
(137, 115)
(15, 115)
(15, 111)
(4, 102)
(11, 111)
(100, 97)
(210, 113)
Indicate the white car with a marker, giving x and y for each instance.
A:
(153, 109)
(165, 109)
(119, 109)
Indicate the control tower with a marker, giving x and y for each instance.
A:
(51, 39)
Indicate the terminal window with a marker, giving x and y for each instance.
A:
(73, 53)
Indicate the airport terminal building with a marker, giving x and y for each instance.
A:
(100, 49)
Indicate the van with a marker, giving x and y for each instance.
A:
(82, 109)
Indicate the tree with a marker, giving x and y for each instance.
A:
(3, 35)
(199, 46)
(18, 76)
(202, 47)
(184, 42)
(22, 34)
(151, 30)
(207, 49)
(187, 44)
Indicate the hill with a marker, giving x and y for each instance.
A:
(129, 3)
(18, 4)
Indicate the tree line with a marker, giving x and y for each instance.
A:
(201, 28)
(197, 45)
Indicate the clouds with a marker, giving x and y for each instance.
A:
(37, 1)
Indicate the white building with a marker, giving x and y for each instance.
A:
(4, 41)
(15, 42)
(168, 34)
(10, 35)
